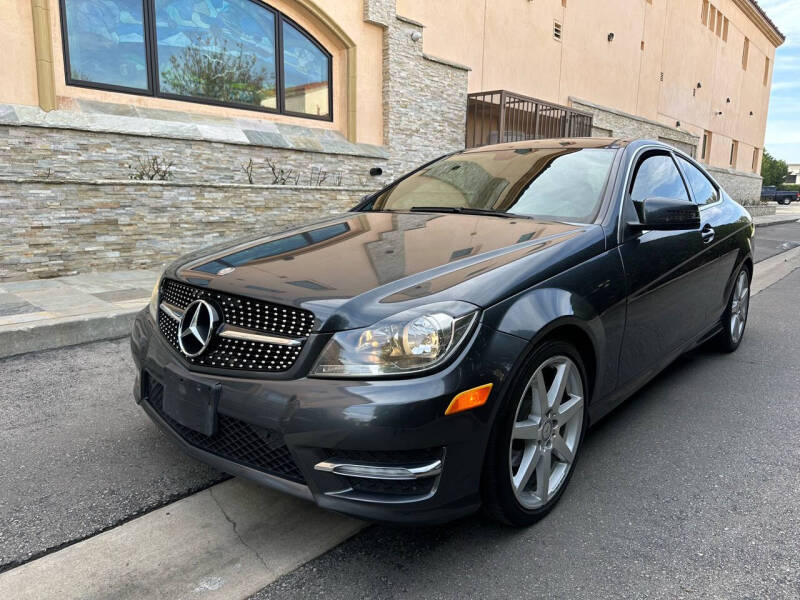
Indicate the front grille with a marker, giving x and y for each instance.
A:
(235, 440)
(249, 313)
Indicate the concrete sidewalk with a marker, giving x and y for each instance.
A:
(42, 314)
(776, 219)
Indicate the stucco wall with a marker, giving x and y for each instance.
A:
(659, 53)
(18, 67)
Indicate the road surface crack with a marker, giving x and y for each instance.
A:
(236, 530)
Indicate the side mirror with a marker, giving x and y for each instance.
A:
(667, 214)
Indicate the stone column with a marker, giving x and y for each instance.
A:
(424, 98)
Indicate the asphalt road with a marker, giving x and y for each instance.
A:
(775, 239)
(689, 490)
(76, 454)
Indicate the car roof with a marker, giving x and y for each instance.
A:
(585, 142)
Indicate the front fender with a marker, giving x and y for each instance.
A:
(590, 296)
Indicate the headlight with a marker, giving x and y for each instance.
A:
(410, 341)
(154, 300)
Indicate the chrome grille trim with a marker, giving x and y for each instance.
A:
(173, 312)
(233, 332)
(240, 333)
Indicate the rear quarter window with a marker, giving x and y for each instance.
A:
(703, 190)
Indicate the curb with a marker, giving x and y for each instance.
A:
(773, 269)
(65, 331)
(778, 221)
(225, 542)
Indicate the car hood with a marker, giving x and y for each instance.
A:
(355, 269)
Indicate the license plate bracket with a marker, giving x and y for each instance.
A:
(191, 403)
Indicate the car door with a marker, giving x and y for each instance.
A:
(664, 276)
(717, 229)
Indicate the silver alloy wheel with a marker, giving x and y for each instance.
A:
(547, 431)
(740, 301)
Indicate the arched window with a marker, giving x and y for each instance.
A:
(239, 53)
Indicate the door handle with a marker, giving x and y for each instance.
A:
(707, 233)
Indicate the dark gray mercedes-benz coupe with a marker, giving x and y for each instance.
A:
(446, 344)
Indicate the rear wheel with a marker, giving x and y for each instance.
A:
(734, 320)
(536, 437)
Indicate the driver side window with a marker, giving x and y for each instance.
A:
(658, 177)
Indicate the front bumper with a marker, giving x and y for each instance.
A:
(390, 423)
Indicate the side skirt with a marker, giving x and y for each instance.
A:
(598, 410)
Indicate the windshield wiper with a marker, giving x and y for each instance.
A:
(466, 210)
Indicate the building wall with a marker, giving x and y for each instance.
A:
(742, 187)
(401, 73)
(510, 44)
(660, 51)
(78, 154)
(615, 123)
(18, 67)
(63, 227)
(18, 71)
(67, 204)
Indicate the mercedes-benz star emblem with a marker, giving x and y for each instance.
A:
(197, 327)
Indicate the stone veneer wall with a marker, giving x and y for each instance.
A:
(76, 154)
(618, 124)
(426, 112)
(66, 205)
(745, 188)
(379, 12)
(50, 228)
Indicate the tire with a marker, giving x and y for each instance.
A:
(734, 319)
(511, 492)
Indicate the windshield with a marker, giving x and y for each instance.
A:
(564, 184)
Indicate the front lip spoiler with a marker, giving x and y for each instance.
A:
(228, 466)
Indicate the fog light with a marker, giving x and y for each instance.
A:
(469, 399)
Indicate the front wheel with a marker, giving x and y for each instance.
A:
(536, 436)
(735, 318)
